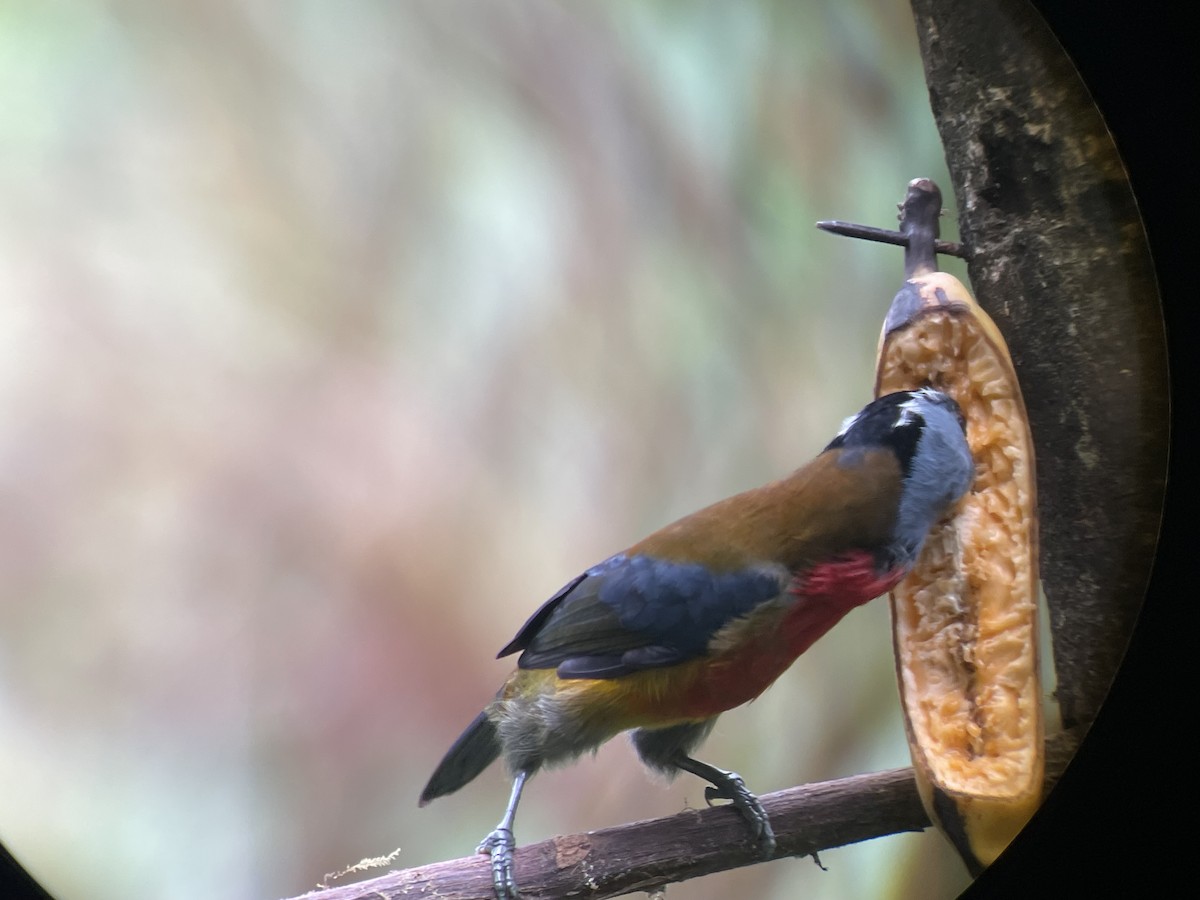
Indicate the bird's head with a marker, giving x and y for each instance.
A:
(926, 432)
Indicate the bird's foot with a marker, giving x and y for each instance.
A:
(730, 786)
(499, 845)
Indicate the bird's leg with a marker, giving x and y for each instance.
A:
(730, 786)
(499, 845)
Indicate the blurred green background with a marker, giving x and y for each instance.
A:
(335, 337)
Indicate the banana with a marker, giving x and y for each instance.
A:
(965, 620)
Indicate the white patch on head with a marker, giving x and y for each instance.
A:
(908, 409)
(847, 424)
(930, 395)
(921, 398)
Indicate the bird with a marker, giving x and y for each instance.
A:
(706, 613)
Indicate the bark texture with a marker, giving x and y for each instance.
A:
(1060, 261)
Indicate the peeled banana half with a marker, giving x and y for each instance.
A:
(965, 620)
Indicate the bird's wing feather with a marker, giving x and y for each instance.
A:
(637, 612)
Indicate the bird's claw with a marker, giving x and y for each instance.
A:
(734, 789)
(499, 846)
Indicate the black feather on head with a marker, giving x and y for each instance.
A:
(892, 422)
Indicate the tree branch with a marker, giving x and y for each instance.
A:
(641, 856)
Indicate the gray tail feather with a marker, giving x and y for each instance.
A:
(475, 750)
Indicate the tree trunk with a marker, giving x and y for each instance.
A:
(1060, 261)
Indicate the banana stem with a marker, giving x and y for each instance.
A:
(919, 224)
(918, 233)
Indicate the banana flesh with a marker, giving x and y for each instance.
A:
(965, 620)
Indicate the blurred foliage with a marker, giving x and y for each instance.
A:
(336, 337)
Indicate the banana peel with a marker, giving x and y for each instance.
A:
(965, 620)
